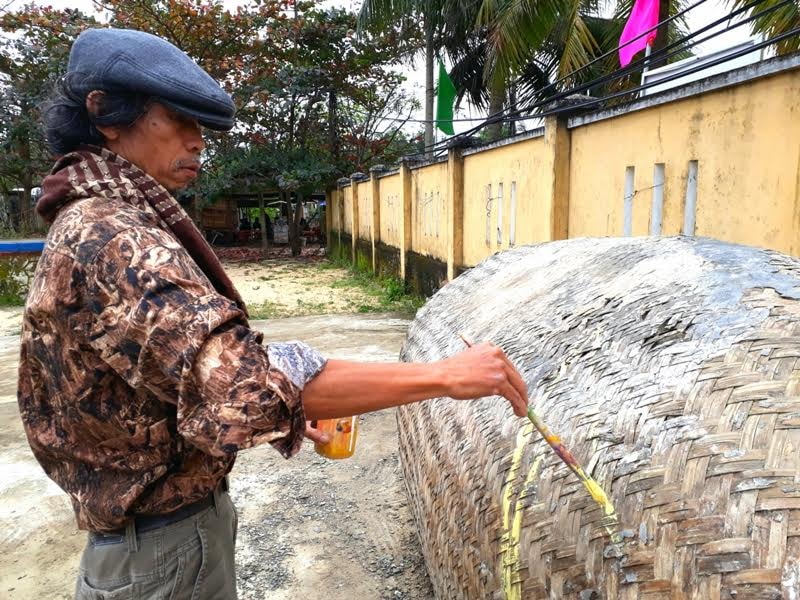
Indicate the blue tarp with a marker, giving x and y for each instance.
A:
(7, 246)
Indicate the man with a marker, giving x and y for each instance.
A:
(139, 378)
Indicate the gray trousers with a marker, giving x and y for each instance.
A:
(191, 559)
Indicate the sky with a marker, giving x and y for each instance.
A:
(698, 17)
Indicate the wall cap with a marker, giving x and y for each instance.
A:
(388, 173)
(427, 162)
(761, 69)
(522, 137)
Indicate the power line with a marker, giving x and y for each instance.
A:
(485, 120)
(619, 73)
(638, 37)
(678, 75)
(633, 66)
(5, 8)
(507, 114)
(578, 70)
(668, 51)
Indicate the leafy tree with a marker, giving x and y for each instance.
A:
(328, 101)
(314, 100)
(30, 62)
(312, 96)
(435, 17)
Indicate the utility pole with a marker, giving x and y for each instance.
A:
(429, 86)
(662, 35)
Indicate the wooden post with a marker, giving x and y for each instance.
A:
(455, 211)
(341, 183)
(263, 222)
(329, 196)
(375, 173)
(405, 216)
(557, 139)
(353, 218)
(354, 179)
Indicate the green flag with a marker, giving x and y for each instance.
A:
(445, 99)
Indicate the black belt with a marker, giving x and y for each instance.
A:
(144, 523)
(151, 522)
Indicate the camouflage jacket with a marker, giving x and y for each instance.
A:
(138, 381)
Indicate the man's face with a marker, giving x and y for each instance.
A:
(164, 144)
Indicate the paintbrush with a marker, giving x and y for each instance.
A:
(610, 521)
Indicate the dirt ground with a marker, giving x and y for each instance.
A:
(280, 287)
(309, 527)
(10, 320)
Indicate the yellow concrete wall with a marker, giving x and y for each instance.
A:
(391, 209)
(364, 191)
(746, 140)
(488, 174)
(335, 209)
(429, 210)
(347, 208)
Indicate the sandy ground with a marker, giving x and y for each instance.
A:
(281, 287)
(295, 288)
(10, 320)
(309, 527)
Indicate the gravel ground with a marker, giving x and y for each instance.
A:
(311, 526)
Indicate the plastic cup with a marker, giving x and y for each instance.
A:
(343, 433)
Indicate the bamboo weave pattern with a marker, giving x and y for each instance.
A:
(670, 368)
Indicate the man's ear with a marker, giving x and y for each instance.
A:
(94, 104)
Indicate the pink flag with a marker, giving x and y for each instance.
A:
(644, 16)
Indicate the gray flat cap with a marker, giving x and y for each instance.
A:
(135, 61)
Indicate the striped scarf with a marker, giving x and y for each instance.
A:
(96, 172)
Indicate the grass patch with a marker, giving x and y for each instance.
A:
(353, 290)
(11, 301)
(388, 294)
(268, 310)
(16, 275)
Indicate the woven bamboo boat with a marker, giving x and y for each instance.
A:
(670, 368)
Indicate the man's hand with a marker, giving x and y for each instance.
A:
(484, 370)
(315, 435)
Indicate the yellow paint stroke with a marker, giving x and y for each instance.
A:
(512, 525)
(515, 591)
(509, 543)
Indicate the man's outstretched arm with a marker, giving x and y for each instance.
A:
(348, 388)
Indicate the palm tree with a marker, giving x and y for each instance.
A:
(519, 48)
(435, 15)
(506, 49)
(495, 45)
(779, 21)
(526, 46)
(533, 41)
